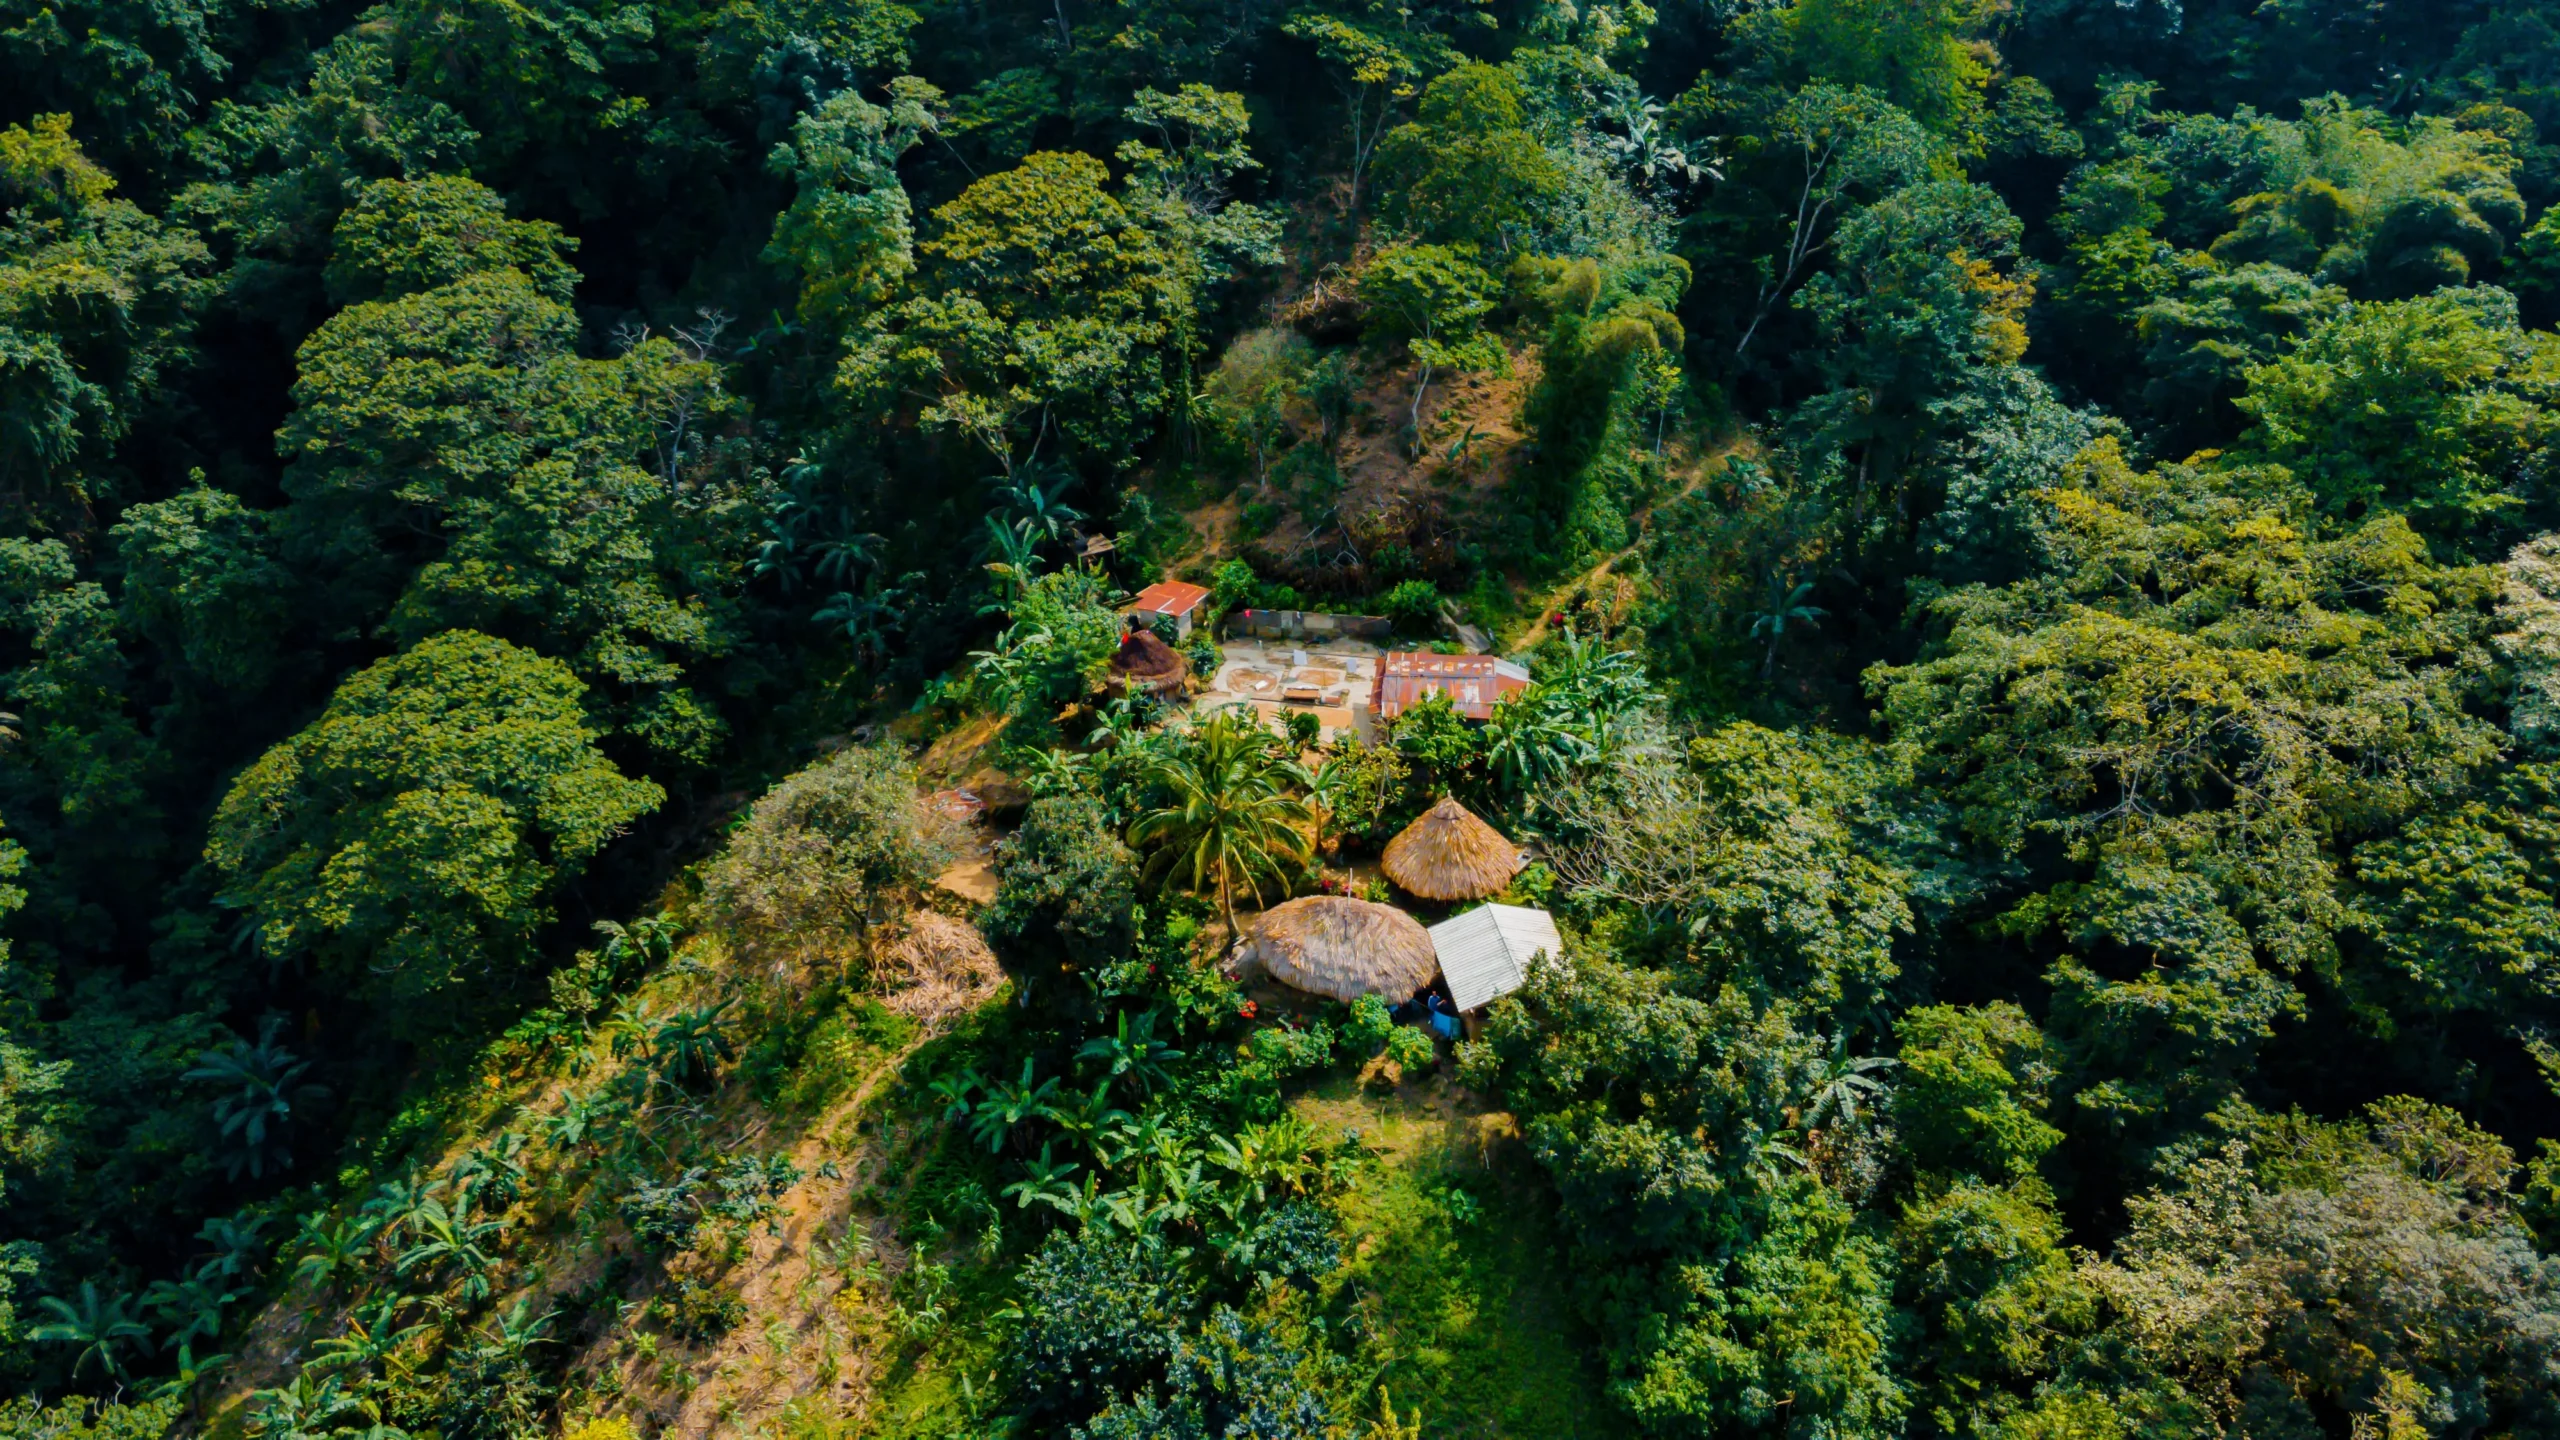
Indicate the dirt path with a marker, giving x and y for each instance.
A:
(1707, 465)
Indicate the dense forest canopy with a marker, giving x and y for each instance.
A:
(2034, 529)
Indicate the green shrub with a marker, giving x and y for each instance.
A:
(81, 1419)
(1369, 1025)
(702, 1312)
(1411, 1048)
(1101, 1315)
(822, 850)
(1413, 604)
(1066, 888)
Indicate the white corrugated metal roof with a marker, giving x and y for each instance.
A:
(1485, 953)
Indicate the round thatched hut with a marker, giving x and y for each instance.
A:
(1344, 948)
(1449, 854)
(1146, 663)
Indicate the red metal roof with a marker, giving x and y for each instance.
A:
(1170, 597)
(1473, 683)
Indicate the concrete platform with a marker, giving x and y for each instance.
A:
(1331, 680)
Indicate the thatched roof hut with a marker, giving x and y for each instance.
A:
(1449, 854)
(1333, 945)
(1145, 662)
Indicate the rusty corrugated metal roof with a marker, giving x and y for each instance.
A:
(1473, 683)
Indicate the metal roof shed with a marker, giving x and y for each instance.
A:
(1485, 953)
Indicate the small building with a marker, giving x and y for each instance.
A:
(1473, 683)
(1339, 947)
(1486, 953)
(1177, 599)
(1449, 854)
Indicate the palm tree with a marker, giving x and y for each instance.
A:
(1234, 819)
(1786, 607)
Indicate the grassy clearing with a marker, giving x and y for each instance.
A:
(1453, 1254)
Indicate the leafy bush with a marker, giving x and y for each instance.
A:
(702, 1312)
(1413, 604)
(1066, 887)
(822, 850)
(81, 1419)
(1411, 1048)
(1294, 1243)
(1101, 1314)
(1369, 1025)
(740, 1192)
(1236, 1377)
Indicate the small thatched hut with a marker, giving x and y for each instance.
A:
(1146, 663)
(1449, 854)
(1333, 945)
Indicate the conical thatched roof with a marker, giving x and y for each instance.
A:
(1449, 854)
(1333, 945)
(1145, 662)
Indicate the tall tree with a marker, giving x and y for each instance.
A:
(415, 835)
(1233, 820)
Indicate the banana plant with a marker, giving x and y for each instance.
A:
(394, 1205)
(1267, 1160)
(446, 1240)
(260, 1085)
(490, 1177)
(649, 940)
(1089, 1117)
(1132, 1050)
(1042, 1180)
(1837, 1086)
(317, 1407)
(1145, 1136)
(371, 1343)
(954, 1092)
(237, 1245)
(186, 1372)
(191, 1308)
(627, 1029)
(101, 1327)
(578, 1119)
(330, 1245)
(1009, 1106)
(689, 1045)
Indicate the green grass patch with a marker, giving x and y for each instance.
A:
(1452, 1250)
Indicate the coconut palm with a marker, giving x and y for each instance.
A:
(1235, 819)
